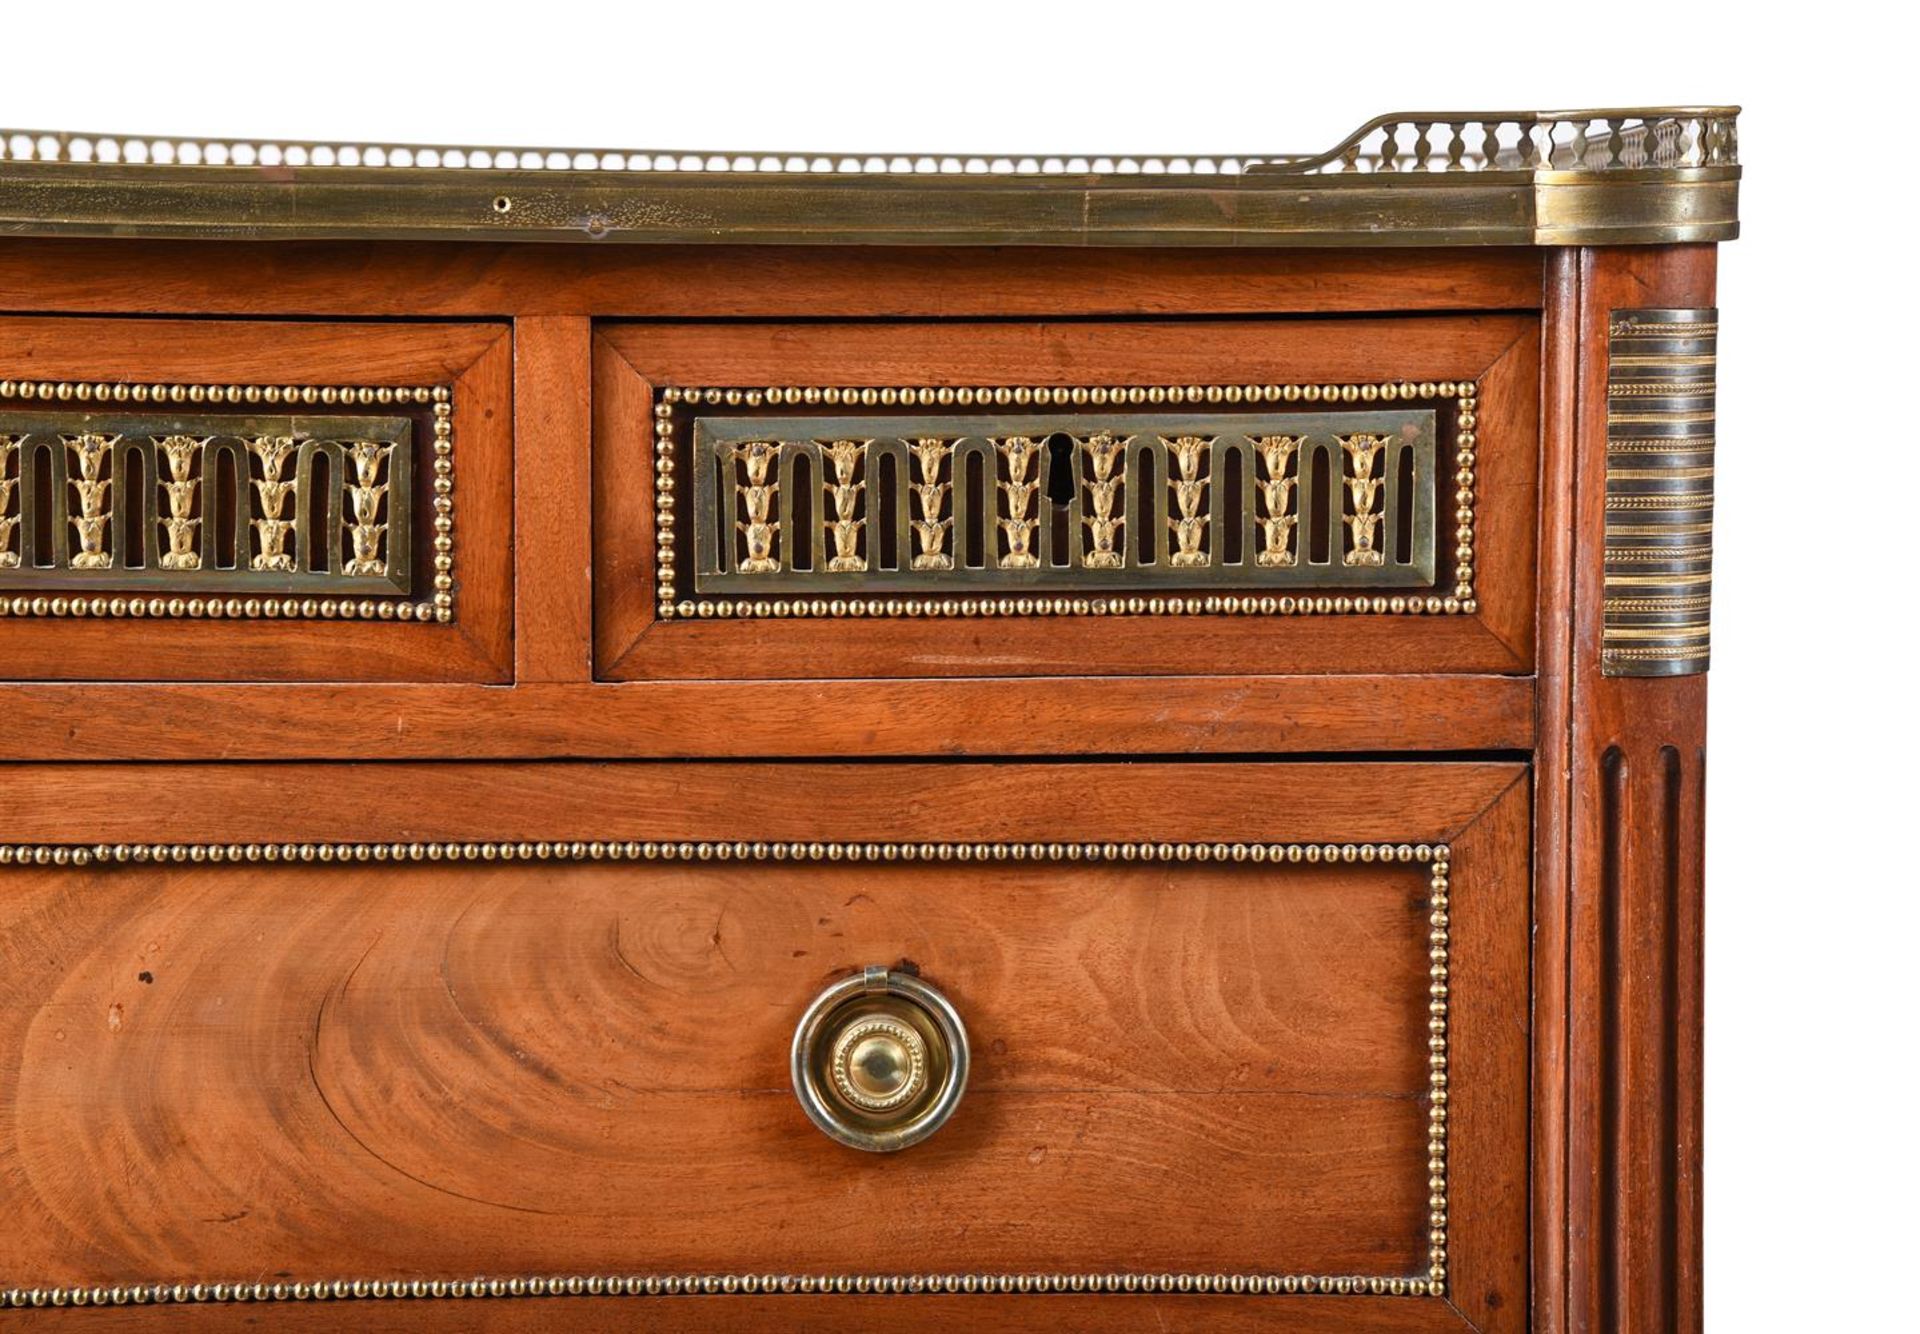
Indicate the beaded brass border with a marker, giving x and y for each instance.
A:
(670, 605)
(170, 605)
(1436, 856)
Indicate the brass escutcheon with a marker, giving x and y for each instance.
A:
(879, 1060)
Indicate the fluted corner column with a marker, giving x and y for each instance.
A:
(1628, 1086)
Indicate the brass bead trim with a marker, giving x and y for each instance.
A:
(1436, 856)
(440, 606)
(120, 854)
(1438, 998)
(1702, 443)
(670, 605)
(691, 1285)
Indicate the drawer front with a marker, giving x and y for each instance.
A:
(1255, 1031)
(230, 500)
(906, 500)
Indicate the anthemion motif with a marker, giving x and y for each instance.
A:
(1279, 516)
(115, 501)
(1363, 510)
(1301, 490)
(9, 514)
(931, 524)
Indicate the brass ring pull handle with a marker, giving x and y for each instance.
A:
(880, 1060)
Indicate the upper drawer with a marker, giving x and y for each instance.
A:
(1267, 1021)
(214, 500)
(1013, 499)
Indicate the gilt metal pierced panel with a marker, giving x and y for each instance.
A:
(1081, 501)
(205, 503)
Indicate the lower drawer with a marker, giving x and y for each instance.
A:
(1253, 1031)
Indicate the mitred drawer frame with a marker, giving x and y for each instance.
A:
(444, 387)
(652, 383)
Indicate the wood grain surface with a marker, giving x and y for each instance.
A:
(553, 500)
(1378, 801)
(583, 1069)
(1553, 813)
(796, 719)
(761, 282)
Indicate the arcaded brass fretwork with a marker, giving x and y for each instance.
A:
(1659, 522)
(1436, 857)
(111, 500)
(1115, 495)
(232, 501)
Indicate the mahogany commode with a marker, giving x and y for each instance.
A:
(915, 740)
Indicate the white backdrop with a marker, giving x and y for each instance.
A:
(1813, 931)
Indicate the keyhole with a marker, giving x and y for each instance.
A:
(1060, 480)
